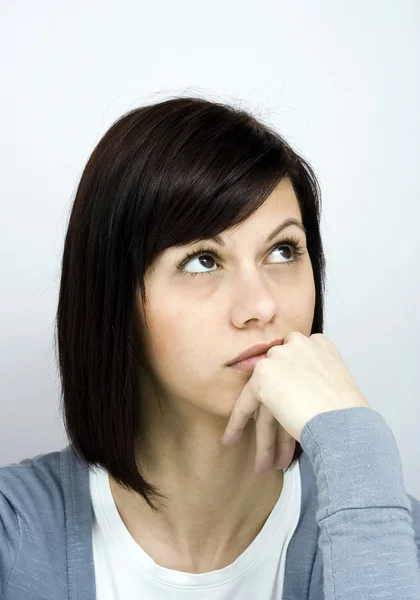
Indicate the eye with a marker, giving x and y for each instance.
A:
(289, 250)
(203, 258)
(206, 258)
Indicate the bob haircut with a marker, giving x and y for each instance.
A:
(165, 174)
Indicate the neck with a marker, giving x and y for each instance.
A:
(216, 505)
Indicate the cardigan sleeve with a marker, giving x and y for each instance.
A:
(369, 528)
(9, 538)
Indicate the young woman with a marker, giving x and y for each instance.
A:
(191, 306)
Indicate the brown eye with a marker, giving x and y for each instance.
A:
(205, 260)
(290, 249)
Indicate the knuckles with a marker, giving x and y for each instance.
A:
(293, 338)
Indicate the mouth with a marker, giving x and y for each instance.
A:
(247, 365)
(255, 352)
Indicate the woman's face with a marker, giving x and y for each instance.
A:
(202, 315)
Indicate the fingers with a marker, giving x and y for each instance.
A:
(285, 448)
(243, 410)
(274, 445)
(266, 433)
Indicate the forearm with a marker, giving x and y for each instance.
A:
(365, 526)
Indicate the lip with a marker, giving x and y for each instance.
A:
(248, 364)
(255, 351)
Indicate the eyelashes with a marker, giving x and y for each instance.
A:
(292, 242)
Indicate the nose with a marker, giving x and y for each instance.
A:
(253, 302)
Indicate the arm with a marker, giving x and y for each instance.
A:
(366, 532)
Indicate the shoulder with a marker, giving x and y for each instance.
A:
(31, 505)
(32, 484)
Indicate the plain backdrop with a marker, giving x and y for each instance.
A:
(341, 80)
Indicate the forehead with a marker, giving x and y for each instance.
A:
(281, 199)
(280, 205)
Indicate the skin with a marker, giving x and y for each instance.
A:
(195, 326)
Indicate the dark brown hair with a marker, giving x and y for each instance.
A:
(165, 174)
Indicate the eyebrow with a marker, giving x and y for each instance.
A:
(273, 234)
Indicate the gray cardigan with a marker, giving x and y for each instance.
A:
(358, 535)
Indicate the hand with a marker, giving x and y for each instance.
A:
(298, 380)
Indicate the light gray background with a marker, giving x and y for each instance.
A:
(340, 79)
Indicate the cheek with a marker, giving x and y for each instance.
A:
(300, 308)
(178, 355)
(173, 339)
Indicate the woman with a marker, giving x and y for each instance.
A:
(194, 238)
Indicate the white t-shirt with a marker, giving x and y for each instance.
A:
(124, 571)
